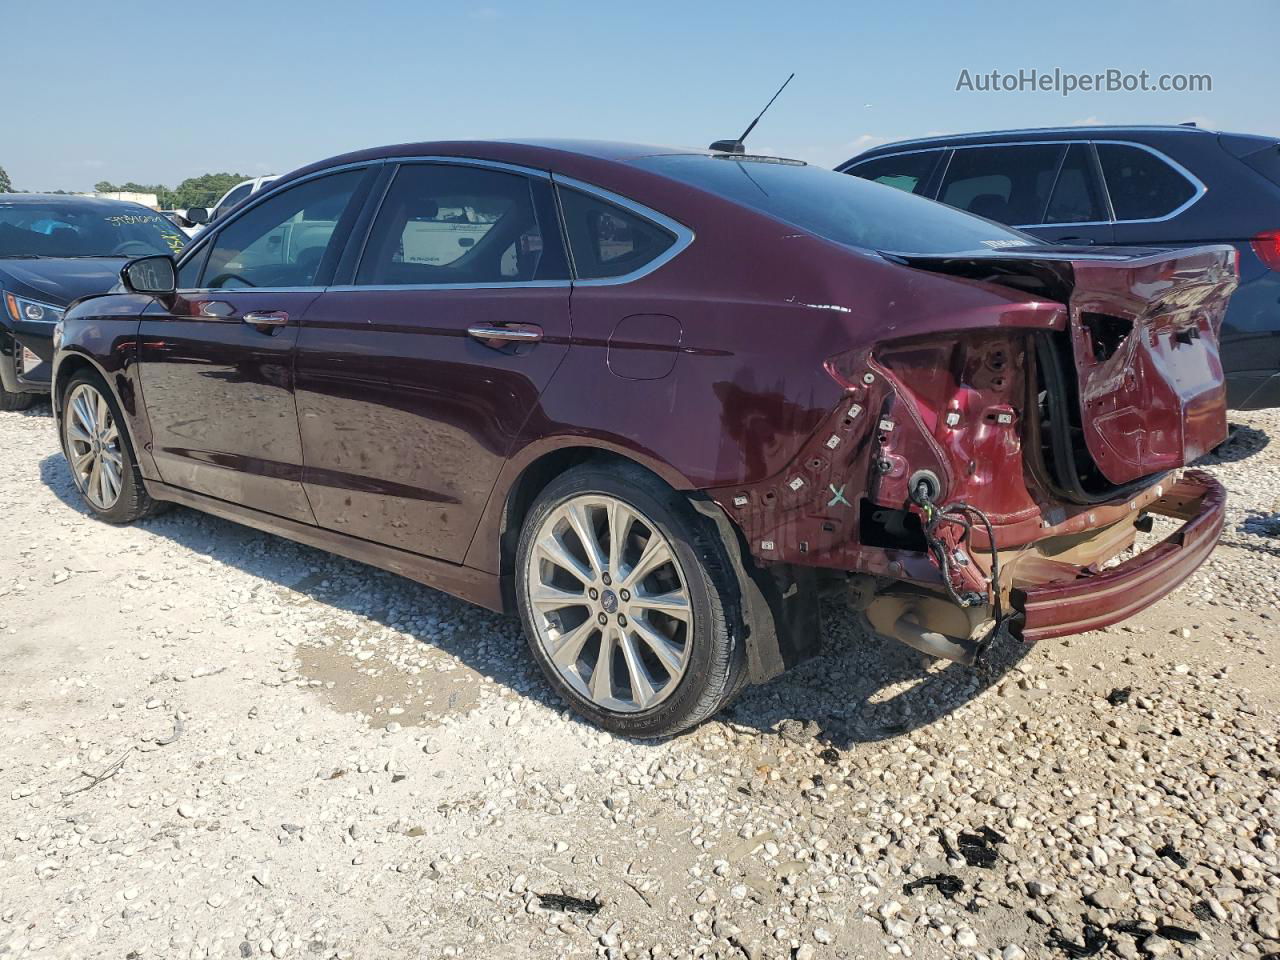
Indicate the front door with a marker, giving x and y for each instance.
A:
(216, 359)
(413, 380)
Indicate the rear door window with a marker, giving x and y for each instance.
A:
(1077, 196)
(1006, 183)
(457, 224)
(905, 171)
(608, 241)
(1141, 184)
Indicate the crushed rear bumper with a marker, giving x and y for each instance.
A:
(1096, 600)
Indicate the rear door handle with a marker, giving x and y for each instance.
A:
(266, 318)
(521, 332)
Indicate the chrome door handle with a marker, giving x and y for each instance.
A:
(266, 318)
(523, 332)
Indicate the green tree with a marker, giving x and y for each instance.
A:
(204, 190)
(5, 185)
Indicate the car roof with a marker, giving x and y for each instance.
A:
(572, 157)
(1091, 132)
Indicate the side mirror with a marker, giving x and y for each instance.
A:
(198, 215)
(157, 274)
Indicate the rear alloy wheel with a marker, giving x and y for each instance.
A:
(618, 591)
(98, 452)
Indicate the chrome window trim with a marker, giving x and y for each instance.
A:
(858, 160)
(221, 291)
(947, 139)
(1200, 188)
(386, 287)
(684, 235)
(474, 162)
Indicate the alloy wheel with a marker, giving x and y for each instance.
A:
(610, 603)
(93, 446)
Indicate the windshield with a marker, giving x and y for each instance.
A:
(837, 206)
(85, 230)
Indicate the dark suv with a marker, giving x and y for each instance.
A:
(1165, 186)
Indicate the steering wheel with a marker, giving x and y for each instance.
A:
(123, 248)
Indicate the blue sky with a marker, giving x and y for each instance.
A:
(155, 92)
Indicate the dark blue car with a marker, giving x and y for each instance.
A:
(55, 249)
(1162, 186)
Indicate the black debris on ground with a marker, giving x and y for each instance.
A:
(1177, 934)
(979, 848)
(1169, 852)
(1094, 942)
(830, 756)
(946, 884)
(1134, 928)
(568, 904)
(976, 849)
(1120, 695)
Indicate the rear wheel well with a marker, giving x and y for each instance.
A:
(533, 480)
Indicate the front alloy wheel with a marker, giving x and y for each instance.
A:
(96, 444)
(92, 440)
(622, 589)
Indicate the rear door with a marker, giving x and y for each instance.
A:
(216, 360)
(416, 372)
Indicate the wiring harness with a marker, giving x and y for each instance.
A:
(962, 515)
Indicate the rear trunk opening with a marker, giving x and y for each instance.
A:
(1133, 387)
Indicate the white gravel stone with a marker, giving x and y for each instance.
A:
(292, 817)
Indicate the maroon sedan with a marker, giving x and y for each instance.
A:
(656, 401)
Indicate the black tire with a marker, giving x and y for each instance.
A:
(16, 401)
(716, 669)
(133, 501)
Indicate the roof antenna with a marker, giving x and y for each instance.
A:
(735, 146)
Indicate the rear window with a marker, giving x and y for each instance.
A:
(1142, 186)
(836, 206)
(606, 240)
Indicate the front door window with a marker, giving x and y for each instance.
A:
(286, 240)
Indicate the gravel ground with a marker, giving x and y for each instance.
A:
(218, 743)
